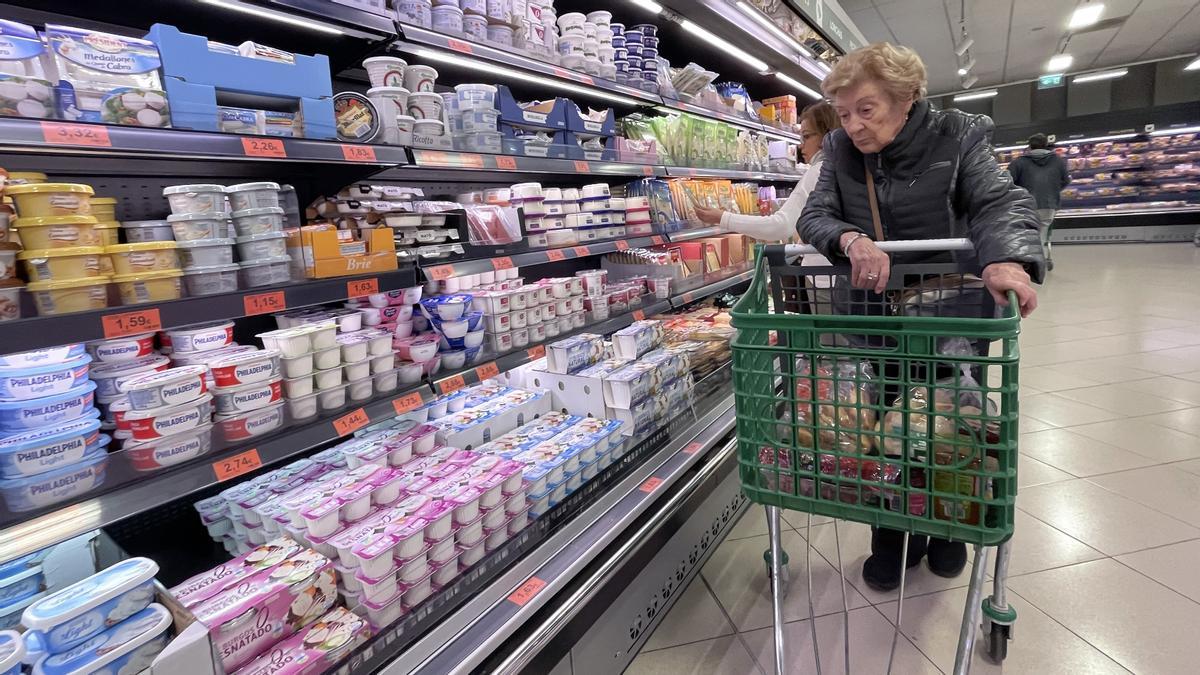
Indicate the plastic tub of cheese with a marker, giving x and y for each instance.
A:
(253, 195)
(262, 246)
(17, 416)
(39, 357)
(196, 226)
(248, 397)
(211, 279)
(258, 221)
(36, 451)
(155, 423)
(153, 256)
(110, 378)
(203, 338)
(196, 198)
(12, 647)
(37, 200)
(171, 387)
(169, 450)
(62, 264)
(104, 208)
(252, 424)
(136, 289)
(57, 232)
(55, 486)
(268, 272)
(75, 614)
(147, 230)
(128, 647)
(20, 383)
(205, 252)
(246, 368)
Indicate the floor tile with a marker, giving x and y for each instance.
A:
(870, 640)
(1104, 371)
(1028, 424)
(1102, 519)
(1165, 489)
(1124, 400)
(1037, 546)
(1160, 363)
(753, 522)
(737, 575)
(1169, 387)
(1173, 566)
(722, 656)
(1050, 379)
(1032, 472)
(1062, 412)
(1182, 336)
(1041, 645)
(694, 616)
(1137, 622)
(1187, 421)
(1136, 435)
(1078, 455)
(1191, 466)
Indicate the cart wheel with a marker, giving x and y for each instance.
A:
(997, 648)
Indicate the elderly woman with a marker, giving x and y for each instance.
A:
(900, 169)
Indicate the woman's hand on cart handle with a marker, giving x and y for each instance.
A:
(869, 266)
(1000, 278)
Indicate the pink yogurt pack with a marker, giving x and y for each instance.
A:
(315, 649)
(403, 539)
(207, 584)
(247, 619)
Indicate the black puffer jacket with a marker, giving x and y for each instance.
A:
(936, 179)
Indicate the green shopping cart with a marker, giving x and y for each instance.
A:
(897, 410)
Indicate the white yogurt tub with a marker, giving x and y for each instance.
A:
(325, 359)
(155, 423)
(332, 398)
(296, 387)
(19, 383)
(268, 272)
(196, 198)
(249, 425)
(82, 610)
(261, 246)
(246, 368)
(302, 339)
(327, 379)
(383, 363)
(204, 253)
(387, 381)
(211, 279)
(248, 397)
(302, 407)
(253, 195)
(137, 231)
(360, 390)
(357, 370)
(169, 450)
(297, 366)
(199, 338)
(197, 226)
(174, 386)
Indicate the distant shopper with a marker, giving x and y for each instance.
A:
(1044, 174)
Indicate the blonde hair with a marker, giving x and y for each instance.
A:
(897, 69)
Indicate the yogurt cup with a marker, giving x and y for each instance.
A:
(261, 246)
(332, 398)
(204, 253)
(211, 279)
(203, 338)
(148, 230)
(303, 407)
(196, 198)
(326, 380)
(169, 450)
(188, 227)
(297, 366)
(85, 609)
(170, 387)
(268, 272)
(253, 196)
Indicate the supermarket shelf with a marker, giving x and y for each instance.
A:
(110, 140)
(687, 235)
(736, 174)
(126, 491)
(455, 380)
(471, 161)
(737, 277)
(34, 332)
(344, 15)
(539, 257)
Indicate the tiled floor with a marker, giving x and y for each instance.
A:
(1107, 546)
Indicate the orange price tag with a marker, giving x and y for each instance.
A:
(471, 161)
(647, 170)
(237, 465)
(407, 402)
(657, 240)
(440, 272)
(264, 303)
(509, 163)
(504, 263)
(536, 353)
(582, 251)
(650, 485)
(692, 448)
(582, 167)
(358, 153)
(555, 254)
(451, 384)
(131, 323)
(351, 422)
(432, 158)
(687, 297)
(622, 246)
(459, 46)
(487, 371)
(76, 134)
(263, 147)
(361, 287)
(527, 591)
(639, 315)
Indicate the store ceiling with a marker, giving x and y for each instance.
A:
(1015, 38)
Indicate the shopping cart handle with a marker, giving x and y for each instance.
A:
(894, 246)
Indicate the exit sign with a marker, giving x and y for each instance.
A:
(1050, 81)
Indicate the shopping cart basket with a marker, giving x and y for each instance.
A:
(885, 409)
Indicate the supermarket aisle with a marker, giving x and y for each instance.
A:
(1107, 538)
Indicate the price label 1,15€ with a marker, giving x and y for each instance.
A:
(264, 303)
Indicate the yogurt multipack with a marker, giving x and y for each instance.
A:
(315, 649)
(107, 78)
(208, 584)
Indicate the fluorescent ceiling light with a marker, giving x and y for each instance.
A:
(497, 69)
(281, 17)
(728, 47)
(1177, 130)
(971, 96)
(1086, 15)
(1059, 63)
(1104, 75)
(1094, 139)
(1010, 147)
(762, 20)
(1194, 65)
(800, 86)
(648, 5)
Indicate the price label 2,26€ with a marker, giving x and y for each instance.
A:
(263, 147)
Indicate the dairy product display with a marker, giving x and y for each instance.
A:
(107, 78)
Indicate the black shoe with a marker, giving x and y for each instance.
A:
(881, 570)
(947, 558)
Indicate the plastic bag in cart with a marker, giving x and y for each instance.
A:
(844, 401)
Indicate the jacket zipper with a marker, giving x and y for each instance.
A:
(925, 170)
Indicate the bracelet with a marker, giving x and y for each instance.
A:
(857, 236)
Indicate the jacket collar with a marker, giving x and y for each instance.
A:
(817, 158)
(916, 121)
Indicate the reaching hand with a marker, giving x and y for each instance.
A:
(1000, 278)
(708, 215)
